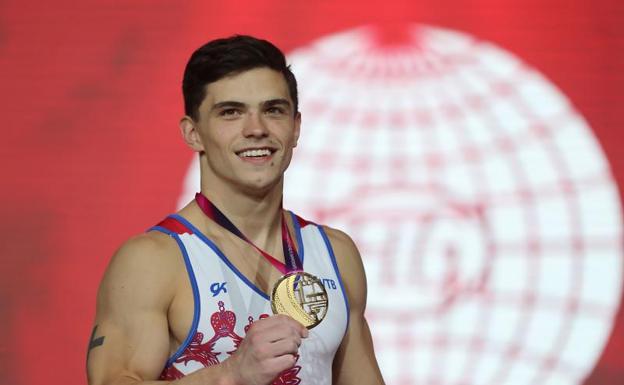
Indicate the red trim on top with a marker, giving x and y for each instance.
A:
(302, 222)
(174, 225)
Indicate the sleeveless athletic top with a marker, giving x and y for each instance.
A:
(227, 303)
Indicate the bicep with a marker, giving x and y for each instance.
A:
(127, 350)
(130, 339)
(355, 360)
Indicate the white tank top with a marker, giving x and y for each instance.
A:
(227, 303)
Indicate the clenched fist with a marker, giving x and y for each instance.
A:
(269, 348)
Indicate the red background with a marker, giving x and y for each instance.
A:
(90, 150)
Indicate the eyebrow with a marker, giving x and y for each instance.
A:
(276, 102)
(265, 104)
(226, 104)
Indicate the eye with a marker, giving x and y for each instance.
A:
(276, 110)
(229, 112)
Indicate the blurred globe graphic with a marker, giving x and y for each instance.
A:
(484, 209)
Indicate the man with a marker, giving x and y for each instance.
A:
(188, 301)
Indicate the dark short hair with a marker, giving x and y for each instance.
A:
(229, 56)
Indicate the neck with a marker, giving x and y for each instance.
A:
(255, 214)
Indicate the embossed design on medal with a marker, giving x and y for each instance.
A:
(301, 296)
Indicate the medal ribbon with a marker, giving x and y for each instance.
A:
(293, 263)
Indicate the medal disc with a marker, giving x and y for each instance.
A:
(301, 296)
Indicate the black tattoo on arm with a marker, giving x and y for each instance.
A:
(94, 342)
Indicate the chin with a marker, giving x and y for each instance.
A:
(260, 187)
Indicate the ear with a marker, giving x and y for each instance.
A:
(297, 128)
(190, 134)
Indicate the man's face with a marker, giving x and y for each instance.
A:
(247, 129)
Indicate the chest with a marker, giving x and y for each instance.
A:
(218, 302)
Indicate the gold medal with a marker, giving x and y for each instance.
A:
(301, 296)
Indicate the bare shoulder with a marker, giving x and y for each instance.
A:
(146, 266)
(350, 265)
(339, 238)
(152, 246)
(345, 250)
(130, 338)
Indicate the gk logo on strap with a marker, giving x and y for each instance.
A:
(217, 287)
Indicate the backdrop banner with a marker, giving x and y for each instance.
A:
(472, 149)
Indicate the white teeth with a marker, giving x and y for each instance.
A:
(253, 153)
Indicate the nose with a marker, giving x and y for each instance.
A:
(255, 126)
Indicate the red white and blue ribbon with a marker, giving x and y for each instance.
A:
(293, 263)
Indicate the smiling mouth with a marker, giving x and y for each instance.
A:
(256, 153)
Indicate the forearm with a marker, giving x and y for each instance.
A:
(212, 375)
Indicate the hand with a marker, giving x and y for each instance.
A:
(269, 348)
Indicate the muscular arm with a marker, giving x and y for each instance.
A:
(355, 361)
(130, 340)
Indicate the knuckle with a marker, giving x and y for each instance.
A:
(284, 319)
(261, 351)
(255, 339)
(250, 334)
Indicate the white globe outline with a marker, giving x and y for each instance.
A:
(337, 76)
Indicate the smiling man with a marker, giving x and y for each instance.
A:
(192, 301)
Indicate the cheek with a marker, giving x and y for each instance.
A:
(219, 142)
(287, 159)
(289, 139)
